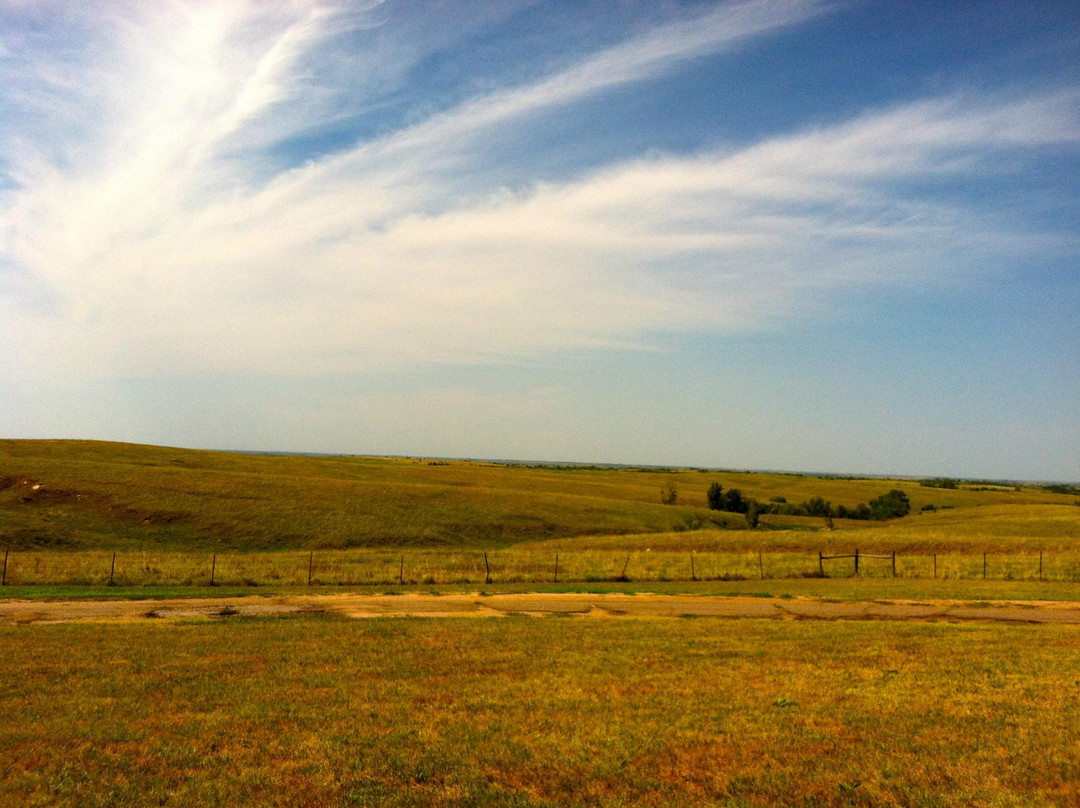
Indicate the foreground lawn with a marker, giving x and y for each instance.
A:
(321, 711)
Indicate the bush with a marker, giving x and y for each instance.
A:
(890, 506)
(734, 502)
(752, 514)
(817, 506)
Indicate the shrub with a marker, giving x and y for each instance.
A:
(752, 514)
(734, 502)
(715, 496)
(817, 506)
(890, 506)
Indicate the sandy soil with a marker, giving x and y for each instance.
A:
(540, 605)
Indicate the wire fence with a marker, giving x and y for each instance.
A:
(427, 567)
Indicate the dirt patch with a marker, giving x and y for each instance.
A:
(608, 606)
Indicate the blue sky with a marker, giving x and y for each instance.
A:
(810, 236)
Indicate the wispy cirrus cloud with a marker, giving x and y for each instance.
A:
(146, 236)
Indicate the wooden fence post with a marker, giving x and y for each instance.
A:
(820, 565)
(112, 569)
(624, 566)
(760, 566)
(487, 570)
(693, 573)
(401, 572)
(856, 562)
(310, 562)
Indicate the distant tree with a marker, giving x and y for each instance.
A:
(669, 495)
(817, 506)
(940, 482)
(734, 502)
(753, 512)
(715, 496)
(890, 506)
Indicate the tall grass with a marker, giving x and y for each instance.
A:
(380, 567)
(88, 495)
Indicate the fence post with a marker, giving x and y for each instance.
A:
(624, 566)
(487, 570)
(693, 573)
(310, 562)
(213, 568)
(401, 572)
(760, 566)
(820, 565)
(556, 568)
(894, 563)
(856, 562)
(112, 569)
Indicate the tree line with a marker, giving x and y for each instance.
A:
(888, 506)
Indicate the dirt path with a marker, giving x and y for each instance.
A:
(540, 605)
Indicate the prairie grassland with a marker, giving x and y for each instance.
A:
(92, 495)
(524, 712)
(521, 564)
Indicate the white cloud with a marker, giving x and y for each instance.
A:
(163, 253)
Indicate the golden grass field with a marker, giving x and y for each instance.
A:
(117, 496)
(324, 710)
(321, 711)
(178, 517)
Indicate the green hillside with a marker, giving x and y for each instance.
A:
(95, 495)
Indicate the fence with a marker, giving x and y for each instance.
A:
(426, 567)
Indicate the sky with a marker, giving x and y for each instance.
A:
(836, 237)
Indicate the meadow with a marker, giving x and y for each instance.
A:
(94, 514)
(320, 711)
(84, 495)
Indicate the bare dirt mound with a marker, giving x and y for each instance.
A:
(613, 606)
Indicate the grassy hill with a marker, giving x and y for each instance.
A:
(87, 495)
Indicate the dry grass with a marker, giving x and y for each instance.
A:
(526, 712)
(523, 564)
(118, 496)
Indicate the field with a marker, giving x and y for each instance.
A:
(184, 518)
(320, 709)
(117, 496)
